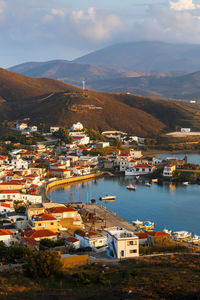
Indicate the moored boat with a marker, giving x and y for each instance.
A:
(181, 235)
(131, 187)
(148, 184)
(185, 183)
(108, 197)
(154, 180)
(137, 222)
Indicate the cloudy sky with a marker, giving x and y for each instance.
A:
(39, 30)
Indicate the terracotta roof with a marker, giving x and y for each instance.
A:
(158, 233)
(88, 233)
(5, 204)
(61, 209)
(45, 217)
(5, 232)
(143, 166)
(9, 192)
(142, 235)
(33, 234)
(71, 239)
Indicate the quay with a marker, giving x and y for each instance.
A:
(111, 219)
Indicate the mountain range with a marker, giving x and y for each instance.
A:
(50, 102)
(151, 69)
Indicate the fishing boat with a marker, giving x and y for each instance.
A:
(181, 235)
(155, 180)
(195, 239)
(131, 187)
(144, 226)
(108, 197)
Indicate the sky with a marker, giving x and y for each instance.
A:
(41, 30)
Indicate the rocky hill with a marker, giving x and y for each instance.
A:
(51, 102)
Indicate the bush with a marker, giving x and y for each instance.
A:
(51, 244)
(44, 264)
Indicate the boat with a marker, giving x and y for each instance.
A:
(144, 225)
(195, 239)
(131, 187)
(185, 183)
(137, 222)
(148, 184)
(155, 180)
(167, 231)
(181, 235)
(107, 197)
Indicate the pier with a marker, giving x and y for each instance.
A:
(110, 218)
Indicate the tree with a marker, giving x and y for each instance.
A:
(44, 264)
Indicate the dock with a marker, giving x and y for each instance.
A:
(110, 218)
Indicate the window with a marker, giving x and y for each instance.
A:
(39, 224)
(52, 223)
(133, 251)
(131, 243)
(143, 170)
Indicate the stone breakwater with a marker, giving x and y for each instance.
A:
(56, 183)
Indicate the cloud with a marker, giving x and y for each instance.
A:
(57, 12)
(2, 6)
(96, 26)
(183, 5)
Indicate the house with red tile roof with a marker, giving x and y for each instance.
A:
(6, 236)
(40, 234)
(72, 241)
(44, 221)
(157, 237)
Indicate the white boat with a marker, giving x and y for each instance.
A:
(137, 222)
(131, 187)
(148, 184)
(181, 235)
(167, 231)
(194, 239)
(185, 183)
(108, 197)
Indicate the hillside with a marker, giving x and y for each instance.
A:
(50, 102)
(148, 56)
(66, 71)
(179, 87)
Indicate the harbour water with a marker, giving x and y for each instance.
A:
(173, 207)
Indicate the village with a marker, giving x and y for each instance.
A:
(30, 219)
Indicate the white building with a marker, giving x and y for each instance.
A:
(91, 239)
(21, 126)
(77, 126)
(168, 170)
(185, 129)
(54, 129)
(6, 236)
(122, 243)
(33, 128)
(72, 241)
(19, 164)
(140, 169)
(81, 140)
(101, 145)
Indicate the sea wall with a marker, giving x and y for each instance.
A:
(59, 182)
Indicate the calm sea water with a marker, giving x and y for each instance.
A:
(173, 207)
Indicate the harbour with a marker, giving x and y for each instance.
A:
(175, 207)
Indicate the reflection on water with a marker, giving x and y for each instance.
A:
(170, 206)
